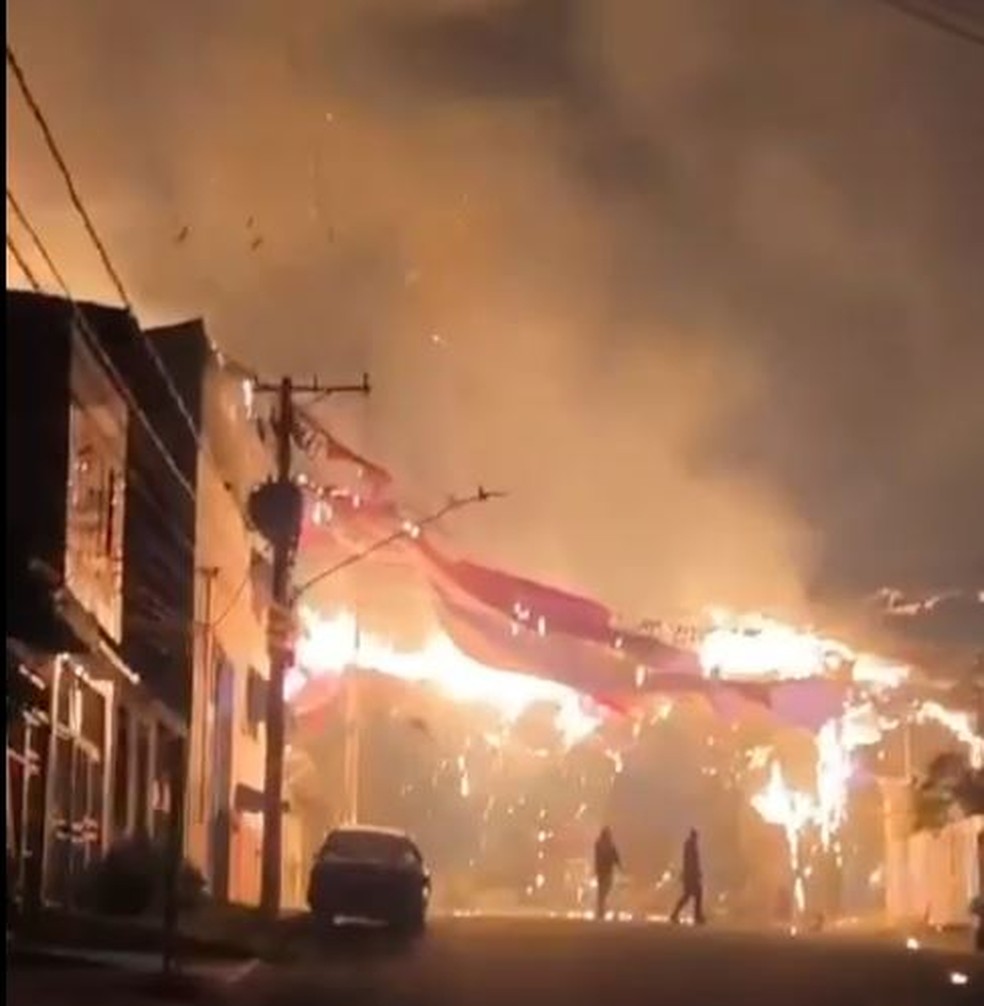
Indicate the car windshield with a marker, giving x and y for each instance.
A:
(371, 847)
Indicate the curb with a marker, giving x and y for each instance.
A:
(138, 964)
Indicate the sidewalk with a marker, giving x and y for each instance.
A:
(39, 976)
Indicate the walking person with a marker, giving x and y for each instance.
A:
(607, 860)
(693, 881)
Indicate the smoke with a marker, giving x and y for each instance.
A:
(697, 282)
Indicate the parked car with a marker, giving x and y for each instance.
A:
(371, 874)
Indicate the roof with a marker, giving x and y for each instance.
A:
(369, 829)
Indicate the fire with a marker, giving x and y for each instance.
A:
(756, 647)
(792, 811)
(960, 724)
(833, 776)
(328, 646)
(753, 646)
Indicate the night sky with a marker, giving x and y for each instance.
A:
(700, 282)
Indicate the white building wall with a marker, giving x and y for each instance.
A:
(228, 623)
(234, 625)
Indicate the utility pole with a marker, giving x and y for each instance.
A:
(277, 509)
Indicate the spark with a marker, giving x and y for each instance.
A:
(833, 775)
(958, 978)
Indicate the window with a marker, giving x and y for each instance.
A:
(96, 487)
(364, 846)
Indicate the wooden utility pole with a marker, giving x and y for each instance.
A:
(282, 531)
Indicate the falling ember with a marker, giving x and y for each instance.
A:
(615, 757)
(464, 786)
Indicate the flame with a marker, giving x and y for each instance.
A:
(791, 810)
(834, 771)
(960, 724)
(754, 646)
(329, 645)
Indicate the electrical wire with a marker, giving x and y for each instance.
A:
(936, 19)
(236, 594)
(93, 341)
(22, 263)
(107, 262)
(164, 561)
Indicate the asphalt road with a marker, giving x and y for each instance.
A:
(553, 962)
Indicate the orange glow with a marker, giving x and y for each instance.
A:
(328, 646)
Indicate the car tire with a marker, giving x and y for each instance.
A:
(411, 923)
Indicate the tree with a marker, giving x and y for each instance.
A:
(950, 788)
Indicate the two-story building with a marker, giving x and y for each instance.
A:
(139, 598)
(90, 741)
(227, 743)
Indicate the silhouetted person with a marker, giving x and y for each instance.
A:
(693, 881)
(606, 860)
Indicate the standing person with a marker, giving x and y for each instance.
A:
(606, 860)
(693, 881)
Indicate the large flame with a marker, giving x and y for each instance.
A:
(753, 646)
(327, 646)
(739, 647)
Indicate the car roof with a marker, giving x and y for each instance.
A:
(370, 829)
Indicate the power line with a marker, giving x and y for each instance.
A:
(94, 343)
(236, 594)
(100, 246)
(22, 263)
(181, 539)
(937, 20)
(66, 173)
(410, 529)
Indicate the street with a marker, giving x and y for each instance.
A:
(557, 961)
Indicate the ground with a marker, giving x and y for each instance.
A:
(570, 962)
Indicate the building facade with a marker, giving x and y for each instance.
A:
(72, 787)
(138, 598)
(229, 680)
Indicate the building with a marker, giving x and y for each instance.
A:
(227, 744)
(89, 735)
(138, 600)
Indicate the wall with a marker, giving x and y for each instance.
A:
(228, 702)
(929, 877)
